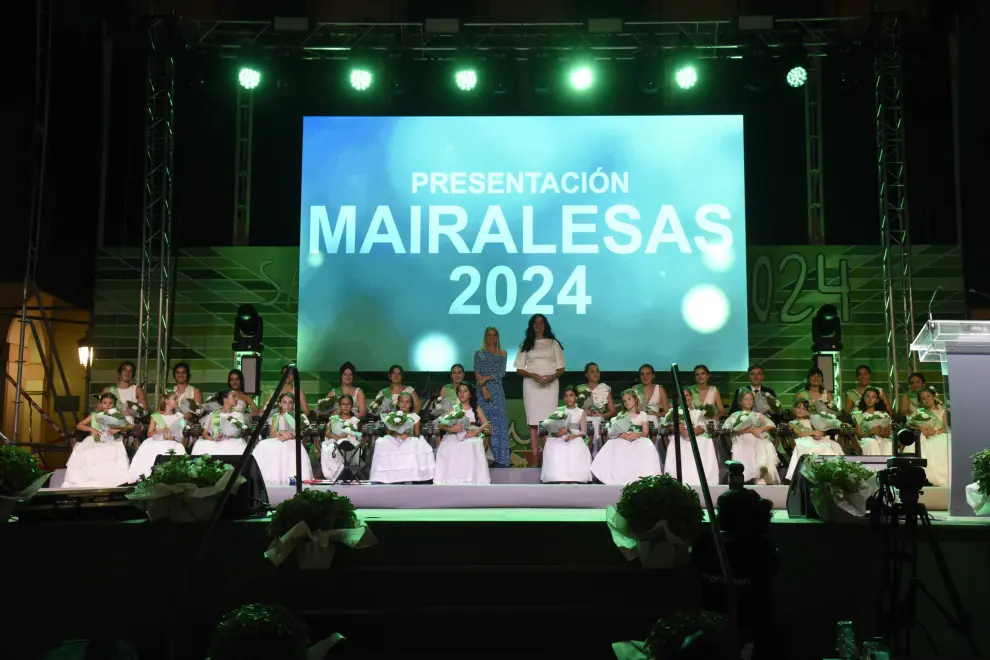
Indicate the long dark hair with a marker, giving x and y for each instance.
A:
(879, 406)
(240, 377)
(807, 382)
(530, 341)
(473, 401)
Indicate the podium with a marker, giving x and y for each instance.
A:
(963, 349)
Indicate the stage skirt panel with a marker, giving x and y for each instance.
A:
(689, 471)
(222, 447)
(936, 450)
(876, 446)
(754, 453)
(150, 449)
(461, 460)
(621, 461)
(566, 460)
(397, 461)
(808, 445)
(277, 461)
(97, 464)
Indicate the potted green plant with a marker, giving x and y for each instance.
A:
(656, 520)
(839, 488)
(311, 523)
(264, 632)
(20, 478)
(978, 492)
(183, 488)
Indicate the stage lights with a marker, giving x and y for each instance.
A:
(466, 79)
(361, 79)
(249, 77)
(686, 77)
(581, 77)
(797, 76)
(826, 330)
(249, 329)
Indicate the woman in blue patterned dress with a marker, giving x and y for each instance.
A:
(489, 369)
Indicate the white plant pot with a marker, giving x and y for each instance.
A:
(977, 501)
(829, 512)
(315, 557)
(662, 554)
(181, 509)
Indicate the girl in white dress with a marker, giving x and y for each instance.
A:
(164, 435)
(540, 362)
(652, 396)
(853, 397)
(871, 419)
(566, 457)
(628, 454)
(99, 461)
(750, 445)
(808, 439)
(930, 421)
(276, 455)
(403, 456)
(290, 388)
(703, 393)
(388, 398)
(706, 446)
(348, 372)
(597, 402)
(461, 455)
(331, 456)
(186, 392)
(223, 429)
(127, 392)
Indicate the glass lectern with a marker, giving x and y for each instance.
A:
(963, 349)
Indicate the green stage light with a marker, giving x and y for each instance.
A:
(361, 79)
(466, 79)
(686, 77)
(248, 77)
(582, 78)
(797, 76)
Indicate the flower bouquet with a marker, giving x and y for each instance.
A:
(20, 478)
(190, 407)
(452, 418)
(922, 418)
(266, 631)
(839, 489)
(710, 412)
(327, 403)
(655, 520)
(773, 404)
(874, 421)
(621, 423)
(112, 419)
(183, 488)
(399, 423)
(584, 398)
(556, 422)
(824, 407)
(824, 421)
(136, 410)
(340, 426)
(311, 522)
(380, 404)
(978, 493)
(743, 422)
(231, 426)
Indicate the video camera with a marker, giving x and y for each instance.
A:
(905, 473)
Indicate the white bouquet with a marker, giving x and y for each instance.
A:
(441, 406)
(870, 422)
(113, 419)
(584, 398)
(621, 423)
(326, 404)
(380, 404)
(826, 408)
(190, 407)
(231, 426)
(340, 426)
(556, 422)
(175, 429)
(452, 418)
(773, 403)
(399, 422)
(922, 417)
(135, 409)
(824, 421)
(743, 422)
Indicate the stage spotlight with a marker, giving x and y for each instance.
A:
(582, 78)
(797, 76)
(361, 79)
(686, 77)
(248, 77)
(248, 329)
(826, 330)
(466, 79)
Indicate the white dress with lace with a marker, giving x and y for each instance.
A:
(622, 461)
(398, 461)
(461, 459)
(568, 459)
(276, 458)
(228, 442)
(754, 451)
(157, 445)
(825, 446)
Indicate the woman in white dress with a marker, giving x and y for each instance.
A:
(126, 391)
(628, 454)
(403, 456)
(808, 440)
(99, 461)
(164, 435)
(909, 404)
(853, 397)
(540, 362)
(597, 402)
(461, 455)
(566, 457)
(388, 397)
(276, 455)
(750, 445)
(290, 388)
(703, 393)
(331, 456)
(930, 421)
(874, 437)
(814, 389)
(348, 373)
(706, 446)
(652, 396)
(181, 374)
(243, 402)
(222, 429)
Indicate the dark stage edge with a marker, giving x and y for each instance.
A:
(444, 583)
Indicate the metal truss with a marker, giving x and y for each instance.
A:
(711, 38)
(157, 262)
(814, 148)
(243, 149)
(898, 297)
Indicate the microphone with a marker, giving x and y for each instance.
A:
(931, 319)
(979, 293)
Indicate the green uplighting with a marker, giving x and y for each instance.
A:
(466, 79)
(582, 78)
(797, 76)
(361, 79)
(686, 77)
(248, 77)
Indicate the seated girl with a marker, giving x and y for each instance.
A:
(809, 440)
(872, 423)
(99, 461)
(628, 454)
(342, 426)
(164, 435)
(929, 421)
(222, 429)
(750, 445)
(706, 447)
(461, 455)
(276, 455)
(402, 456)
(566, 457)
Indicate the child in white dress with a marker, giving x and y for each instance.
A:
(222, 429)
(872, 422)
(99, 461)
(929, 420)
(706, 446)
(461, 455)
(809, 440)
(276, 455)
(566, 457)
(341, 427)
(402, 456)
(164, 435)
(750, 445)
(628, 454)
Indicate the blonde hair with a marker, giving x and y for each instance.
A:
(498, 338)
(165, 397)
(633, 393)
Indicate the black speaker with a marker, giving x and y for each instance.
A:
(251, 498)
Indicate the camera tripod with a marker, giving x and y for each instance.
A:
(897, 612)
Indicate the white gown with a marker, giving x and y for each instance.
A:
(460, 459)
(621, 461)
(97, 464)
(936, 450)
(397, 461)
(873, 445)
(228, 443)
(568, 460)
(651, 405)
(125, 396)
(277, 458)
(332, 458)
(600, 397)
(544, 360)
(157, 445)
(706, 448)
(754, 452)
(826, 446)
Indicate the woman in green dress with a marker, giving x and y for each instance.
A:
(449, 391)
(909, 403)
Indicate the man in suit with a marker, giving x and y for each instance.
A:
(757, 388)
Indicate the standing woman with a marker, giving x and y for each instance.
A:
(652, 397)
(242, 402)
(181, 373)
(863, 376)
(703, 393)
(449, 391)
(126, 392)
(541, 364)
(348, 374)
(599, 404)
(489, 370)
(290, 388)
